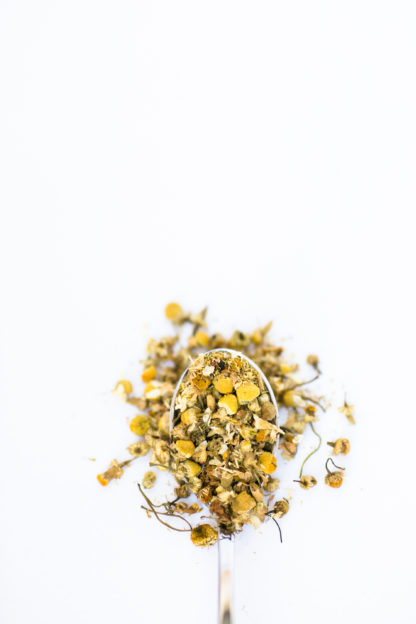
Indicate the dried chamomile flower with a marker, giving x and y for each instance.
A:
(184, 508)
(115, 471)
(122, 389)
(205, 494)
(288, 448)
(306, 482)
(341, 446)
(185, 448)
(204, 535)
(149, 479)
(259, 334)
(202, 338)
(192, 469)
(239, 341)
(139, 424)
(190, 415)
(138, 449)
(149, 373)
(272, 485)
(334, 479)
(198, 320)
(348, 410)
(280, 508)
(268, 411)
(218, 341)
(163, 424)
(229, 402)
(291, 398)
(223, 384)
(173, 312)
(247, 391)
(268, 462)
(182, 491)
(313, 361)
(243, 503)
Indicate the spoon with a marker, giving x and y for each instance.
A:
(226, 543)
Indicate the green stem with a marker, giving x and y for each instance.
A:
(312, 452)
(303, 383)
(153, 510)
(331, 460)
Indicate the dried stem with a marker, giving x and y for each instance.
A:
(312, 452)
(280, 530)
(302, 383)
(160, 513)
(326, 465)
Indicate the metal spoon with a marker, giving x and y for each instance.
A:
(226, 543)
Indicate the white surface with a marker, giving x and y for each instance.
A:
(258, 157)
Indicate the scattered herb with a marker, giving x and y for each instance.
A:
(340, 446)
(348, 410)
(334, 479)
(222, 445)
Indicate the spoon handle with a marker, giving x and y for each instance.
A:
(226, 569)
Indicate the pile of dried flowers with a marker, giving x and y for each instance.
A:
(225, 427)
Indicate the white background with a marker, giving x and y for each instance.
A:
(257, 157)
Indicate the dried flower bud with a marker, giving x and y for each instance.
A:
(229, 402)
(218, 341)
(163, 424)
(182, 491)
(348, 410)
(288, 449)
(192, 469)
(341, 446)
(201, 382)
(149, 479)
(205, 494)
(313, 361)
(211, 402)
(268, 462)
(173, 312)
(307, 482)
(184, 508)
(138, 449)
(223, 384)
(115, 471)
(202, 338)
(268, 411)
(204, 535)
(280, 508)
(148, 374)
(247, 391)
(239, 340)
(139, 424)
(272, 485)
(186, 448)
(291, 398)
(122, 389)
(334, 479)
(243, 503)
(189, 416)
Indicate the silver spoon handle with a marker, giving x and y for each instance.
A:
(226, 569)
